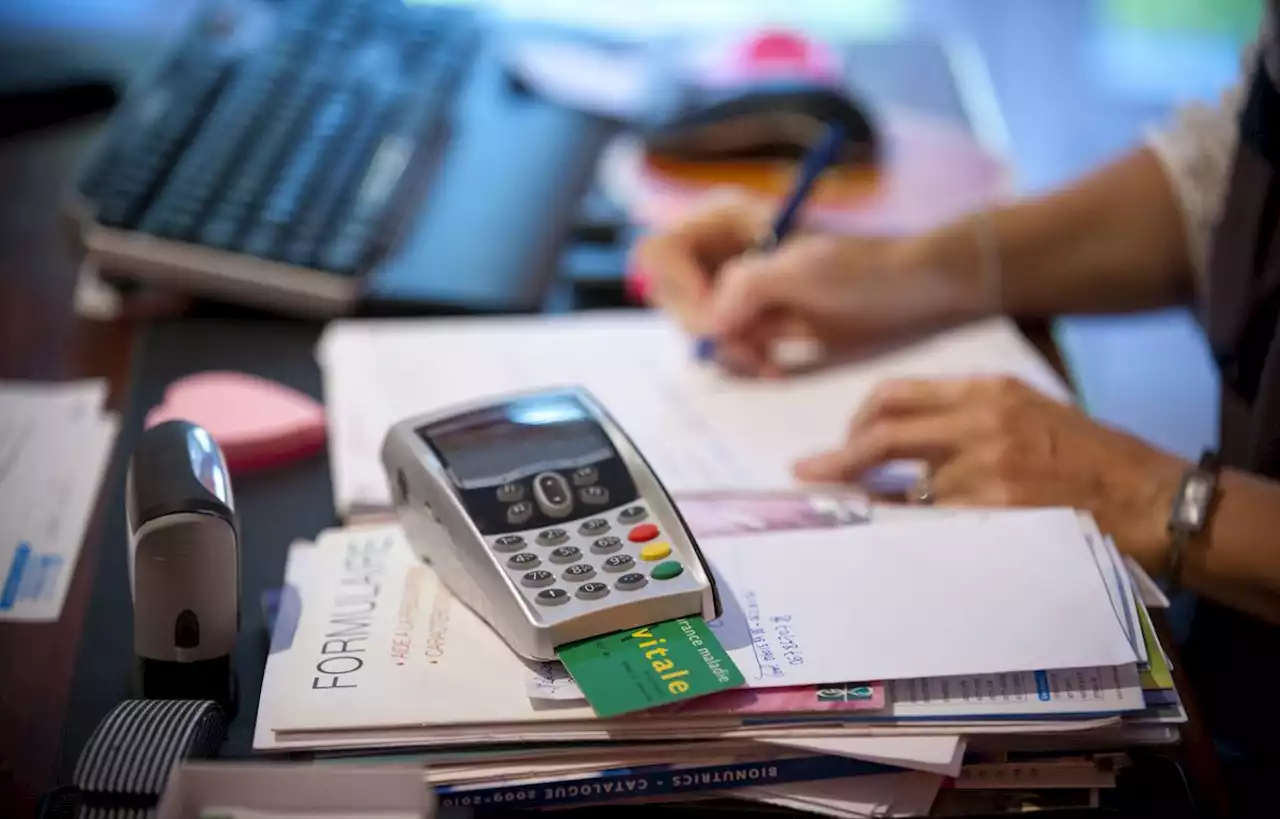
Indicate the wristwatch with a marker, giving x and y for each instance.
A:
(1192, 506)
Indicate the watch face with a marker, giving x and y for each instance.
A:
(1192, 507)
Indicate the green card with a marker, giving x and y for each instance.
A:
(646, 667)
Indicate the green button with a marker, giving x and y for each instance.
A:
(667, 570)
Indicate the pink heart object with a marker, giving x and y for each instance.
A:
(257, 423)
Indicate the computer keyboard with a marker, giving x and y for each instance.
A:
(277, 166)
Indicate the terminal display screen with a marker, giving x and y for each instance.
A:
(495, 446)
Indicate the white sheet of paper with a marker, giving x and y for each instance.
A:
(1153, 597)
(1128, 591)
(700, 428)
(899, 600)
(55, 443)
(878, 795)
(1116, 579)
(935, 754)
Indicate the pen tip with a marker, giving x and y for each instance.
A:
(704, 348)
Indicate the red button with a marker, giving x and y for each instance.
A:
(643, 532)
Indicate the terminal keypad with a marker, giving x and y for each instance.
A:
(606, 555)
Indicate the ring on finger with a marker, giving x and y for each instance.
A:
(922, 493)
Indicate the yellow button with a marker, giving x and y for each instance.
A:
(655, 551)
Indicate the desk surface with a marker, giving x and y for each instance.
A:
(39, 338)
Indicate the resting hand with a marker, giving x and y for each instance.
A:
(994, 442)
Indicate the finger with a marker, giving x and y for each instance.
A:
(677, 282)
(973, 478)
(932, 439)
(743, 357)
(961, 479)
(907, 396)
(756, 351)
(680, 262)
(756, 284)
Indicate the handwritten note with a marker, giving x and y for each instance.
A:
(551, 681)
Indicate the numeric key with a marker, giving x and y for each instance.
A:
(524, 560)
(579, 572)
(619, 563)
(592, 591)
(552, 537)
(508, 543)
(606, 545)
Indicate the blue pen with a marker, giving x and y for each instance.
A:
(817, 160)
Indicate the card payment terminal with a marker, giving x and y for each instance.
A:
(539, 513)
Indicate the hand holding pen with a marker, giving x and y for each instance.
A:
(738, 277)
(817, 160)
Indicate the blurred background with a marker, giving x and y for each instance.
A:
(1061, 85)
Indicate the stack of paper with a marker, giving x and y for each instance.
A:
(890, 656)
(55, 442)
(1024, 641)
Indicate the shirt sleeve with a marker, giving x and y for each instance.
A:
(1196, 149)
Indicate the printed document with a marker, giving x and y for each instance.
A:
(700, 428)
(1018, 591)
(55, 442)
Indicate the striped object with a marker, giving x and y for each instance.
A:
(122, 771)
